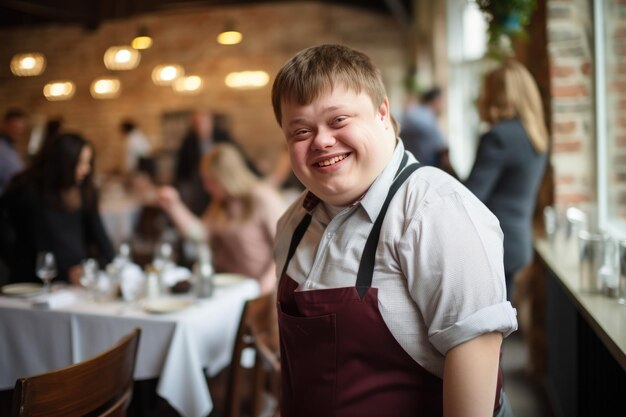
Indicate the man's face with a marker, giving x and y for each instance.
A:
(339, 143)
(15, 128)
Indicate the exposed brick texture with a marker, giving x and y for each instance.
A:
(573, 141)
(272, 34)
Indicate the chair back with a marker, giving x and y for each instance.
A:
(99, 386)
(258, 329)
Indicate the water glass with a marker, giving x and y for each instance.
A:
(550, 223)
(89, 276)
(591, 258)
(46, 268)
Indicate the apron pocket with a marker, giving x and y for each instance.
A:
(309, 364)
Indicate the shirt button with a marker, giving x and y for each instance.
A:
(329, 235)
(310, 285)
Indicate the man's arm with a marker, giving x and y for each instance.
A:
(470, 377)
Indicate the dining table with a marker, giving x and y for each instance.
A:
(183, 338)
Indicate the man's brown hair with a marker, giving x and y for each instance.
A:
(320, 68)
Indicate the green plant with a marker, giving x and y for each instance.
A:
(506, 19)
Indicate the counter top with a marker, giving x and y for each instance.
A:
(605, 315)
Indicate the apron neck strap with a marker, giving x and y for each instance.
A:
(298, 234)
(366, 267)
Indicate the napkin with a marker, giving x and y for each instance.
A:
(54, 300)
(173, 274)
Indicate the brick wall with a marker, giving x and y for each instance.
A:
(272, 34)
(573, 138)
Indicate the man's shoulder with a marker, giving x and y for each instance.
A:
(429, 186)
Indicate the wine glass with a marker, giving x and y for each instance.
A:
(89, 275)
(46, 268)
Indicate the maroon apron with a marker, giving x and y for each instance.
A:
(338, 357)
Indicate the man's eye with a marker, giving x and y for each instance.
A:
(300, 133)
(340, 119)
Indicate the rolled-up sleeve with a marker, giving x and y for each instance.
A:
(452, 254)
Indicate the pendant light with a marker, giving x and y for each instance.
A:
(59, 90)
(142, 40)
(191, 84)
(166, 74)
(121, 58)
(105, 87)
(28, 64)
(247, 79)
(229, 36)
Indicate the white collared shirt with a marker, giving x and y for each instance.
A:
(439, 261)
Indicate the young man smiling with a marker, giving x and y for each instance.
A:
(391, 300)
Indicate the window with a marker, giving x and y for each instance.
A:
(610, 79)
(467, 40)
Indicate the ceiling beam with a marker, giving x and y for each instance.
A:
(43, 11)
(400, 13)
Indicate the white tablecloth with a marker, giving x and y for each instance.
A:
(174, 347)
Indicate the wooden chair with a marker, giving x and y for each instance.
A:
(99, 386)
(258, 329)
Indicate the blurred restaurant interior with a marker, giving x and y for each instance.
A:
(92, 66)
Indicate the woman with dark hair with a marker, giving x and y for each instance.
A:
(53, 206)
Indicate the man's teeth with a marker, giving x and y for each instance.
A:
(331, 161)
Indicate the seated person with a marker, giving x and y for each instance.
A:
(53, 206)
(240, 222)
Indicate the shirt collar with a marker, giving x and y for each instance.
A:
(374, 198)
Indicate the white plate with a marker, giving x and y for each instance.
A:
(165, 305)
(21, 289)
(225, 280)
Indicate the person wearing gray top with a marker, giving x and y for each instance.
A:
(511, 159)
(419, 129)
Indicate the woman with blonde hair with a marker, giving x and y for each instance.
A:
(511, 158)
(240, 222)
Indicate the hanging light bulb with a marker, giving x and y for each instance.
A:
(191, 84)
(121, 58)
(247, 79)
(142, 40)
(229, 36)
(59, 90)
(166, 74)
(105, 87)
(28, 65)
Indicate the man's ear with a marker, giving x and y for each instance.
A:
(383, 112)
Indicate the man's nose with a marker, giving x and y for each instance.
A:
(324, 138)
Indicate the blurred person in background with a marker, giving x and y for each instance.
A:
(511, 158)
(52, 129)
(138, 150)
(202, 136)
(420, 130)
(53, 206)
(11, 131)
(239, 223)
